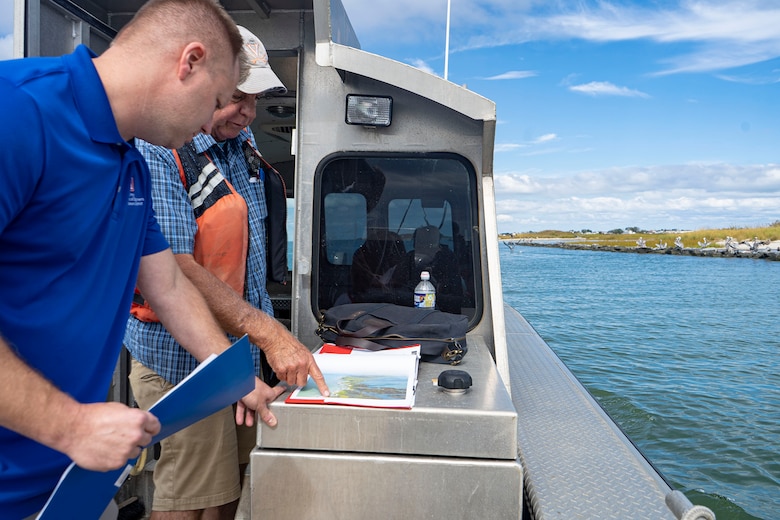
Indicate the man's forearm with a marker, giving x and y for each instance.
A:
(97, 436)
(291, 361)
(233, 313)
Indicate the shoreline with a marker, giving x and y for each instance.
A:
(765, 252)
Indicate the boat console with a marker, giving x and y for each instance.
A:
(450, 456)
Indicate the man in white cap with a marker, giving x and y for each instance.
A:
(217, 233)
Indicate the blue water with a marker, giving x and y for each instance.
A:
(683, 352)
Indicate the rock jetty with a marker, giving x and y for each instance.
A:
(730, 249)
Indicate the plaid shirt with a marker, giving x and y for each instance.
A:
(150, 343)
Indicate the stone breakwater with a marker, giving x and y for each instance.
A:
(769, 252)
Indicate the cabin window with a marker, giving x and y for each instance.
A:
(347, 214)
(384, 219)
(290, 231)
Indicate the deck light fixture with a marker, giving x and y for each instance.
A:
(369, 110)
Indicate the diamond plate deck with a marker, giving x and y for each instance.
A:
(577, 463)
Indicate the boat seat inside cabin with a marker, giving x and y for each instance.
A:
(426, 245)
(373, 265)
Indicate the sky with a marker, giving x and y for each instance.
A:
(6, 29)
(656, 114)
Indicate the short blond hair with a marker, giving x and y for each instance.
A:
(158, 22)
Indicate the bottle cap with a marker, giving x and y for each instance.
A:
(425, 275)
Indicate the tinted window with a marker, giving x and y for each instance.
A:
(383, 220)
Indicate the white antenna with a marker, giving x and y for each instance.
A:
(447, 43)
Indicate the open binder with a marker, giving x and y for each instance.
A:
(357, 377)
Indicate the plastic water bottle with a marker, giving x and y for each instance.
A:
(425, 292)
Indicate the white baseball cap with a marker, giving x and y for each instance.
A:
(261, 79)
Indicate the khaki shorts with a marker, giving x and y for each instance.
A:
(199, 465)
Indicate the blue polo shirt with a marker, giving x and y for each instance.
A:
(75, 218)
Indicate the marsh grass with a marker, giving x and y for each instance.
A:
(715, 237)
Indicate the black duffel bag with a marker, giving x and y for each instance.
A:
(378, 326)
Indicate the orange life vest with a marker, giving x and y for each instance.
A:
(222, 239)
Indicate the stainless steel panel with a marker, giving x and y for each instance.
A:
(481, 423)
(329, 486)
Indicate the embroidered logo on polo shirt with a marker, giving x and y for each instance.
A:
(132, 200)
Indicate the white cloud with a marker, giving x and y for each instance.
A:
(6, 29)
(519, 184)
(695, 178)
(546, 138)
(6, 47)
(690, 196)
(754, 79)
(726, 34)
(720, 34)
(702, 20)
(510, 147)
(422, 65)
(507, 147)
(605, 88)
(513, 74)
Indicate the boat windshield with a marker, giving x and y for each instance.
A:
(385, 219)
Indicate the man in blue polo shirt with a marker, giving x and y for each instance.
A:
(77, 229)
(218, 238)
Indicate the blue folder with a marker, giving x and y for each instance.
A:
(219, 381)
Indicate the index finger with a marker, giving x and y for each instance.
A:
(319, 379)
